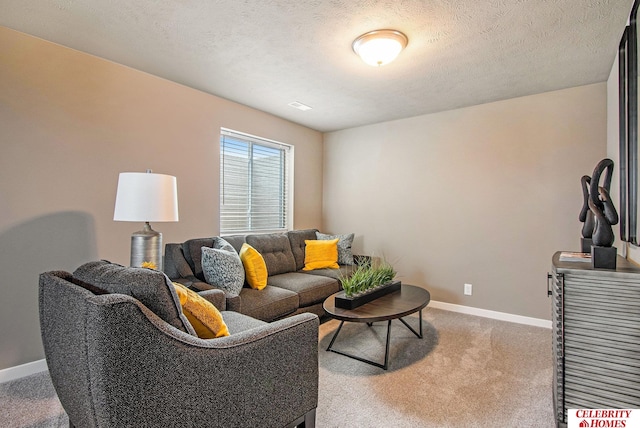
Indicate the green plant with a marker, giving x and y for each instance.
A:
(366, 277)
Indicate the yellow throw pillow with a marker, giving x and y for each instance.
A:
(255, 268)
(203, 315)
(320, 254)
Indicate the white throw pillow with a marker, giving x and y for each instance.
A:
(222, 267)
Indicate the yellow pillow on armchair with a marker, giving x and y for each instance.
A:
(204, 317)
(320, 254)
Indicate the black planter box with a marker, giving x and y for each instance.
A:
(345, 302)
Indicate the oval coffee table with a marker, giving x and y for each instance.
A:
(408, 300)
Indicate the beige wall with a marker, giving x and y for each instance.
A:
(482, 195)
(69, 123)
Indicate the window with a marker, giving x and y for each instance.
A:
(255, 194)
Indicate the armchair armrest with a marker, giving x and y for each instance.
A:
(145, 372)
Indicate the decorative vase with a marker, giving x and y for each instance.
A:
(345, 302)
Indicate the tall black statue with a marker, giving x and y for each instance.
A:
(604, 212)
(603, 215)
(586, 216)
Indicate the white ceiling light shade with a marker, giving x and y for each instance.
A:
(380, 47)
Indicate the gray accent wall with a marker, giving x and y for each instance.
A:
(69, 124)
(482, 195)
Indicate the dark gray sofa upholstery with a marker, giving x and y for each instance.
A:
(115, 363)
(290, 290)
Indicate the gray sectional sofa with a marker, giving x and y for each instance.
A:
(289, 290)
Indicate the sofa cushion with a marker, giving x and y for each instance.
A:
(345, 256)
(152, 288)
(222, 267)
(268, 304)
(237, 322)
(321, 254)
(296, 239)
(309, 288)
(203, 316)
(192, 250)
(254, 266)
(276, 251)
(342, 272)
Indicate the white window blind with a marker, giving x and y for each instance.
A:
(254, 184)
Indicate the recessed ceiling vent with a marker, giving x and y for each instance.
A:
(300, 106)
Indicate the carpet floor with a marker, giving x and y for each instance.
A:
(467, 371)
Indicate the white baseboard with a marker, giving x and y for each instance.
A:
(16, 372)
(502, 316)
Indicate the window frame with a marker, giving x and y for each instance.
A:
(287, 185)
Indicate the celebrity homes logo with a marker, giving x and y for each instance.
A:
(603, 418)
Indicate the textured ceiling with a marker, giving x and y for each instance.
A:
(268, 53)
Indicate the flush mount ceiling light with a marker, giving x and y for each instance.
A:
(380, 47)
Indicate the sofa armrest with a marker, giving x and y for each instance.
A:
(244, 375)
(216, 297)
(195, 284)
(184, 281)
(232, 303)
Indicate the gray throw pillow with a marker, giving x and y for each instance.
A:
(345, 256)
(222, 267)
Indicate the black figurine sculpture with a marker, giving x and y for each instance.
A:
(603, 254)
(586, 216)
(605, 215)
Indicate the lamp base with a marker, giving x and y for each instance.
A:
(146, 246)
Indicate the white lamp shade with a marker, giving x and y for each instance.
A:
(146, 197)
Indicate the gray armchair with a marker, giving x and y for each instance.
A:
(114, 363)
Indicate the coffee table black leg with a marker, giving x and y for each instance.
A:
(410, 328)
(364, 360)
(334, 336)
(386, 351)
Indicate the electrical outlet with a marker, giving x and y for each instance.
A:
(468, 289)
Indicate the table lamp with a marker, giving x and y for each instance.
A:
(146, 197)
